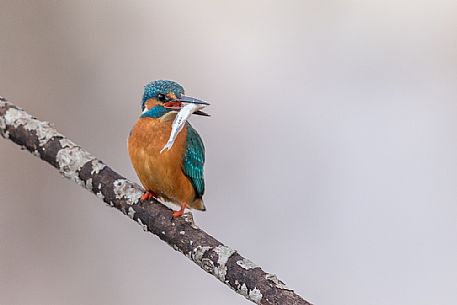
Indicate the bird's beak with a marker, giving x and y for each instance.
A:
(193, 100)
(183, 100)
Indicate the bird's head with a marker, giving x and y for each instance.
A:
(163, 96)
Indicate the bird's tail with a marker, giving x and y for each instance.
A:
(198, 204)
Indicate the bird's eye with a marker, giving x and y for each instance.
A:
(161, 97)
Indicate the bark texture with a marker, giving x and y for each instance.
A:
(78, 165)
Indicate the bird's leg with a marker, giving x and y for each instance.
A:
(177, 214)
(147, 195)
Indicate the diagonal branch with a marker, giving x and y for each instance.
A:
(78, 165)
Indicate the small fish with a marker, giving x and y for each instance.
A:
(180, 121)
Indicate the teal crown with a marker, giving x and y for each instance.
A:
(153, 89)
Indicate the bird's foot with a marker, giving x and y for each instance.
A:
(180, 212)
(147, 195)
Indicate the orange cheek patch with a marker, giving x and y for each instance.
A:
(150, 103)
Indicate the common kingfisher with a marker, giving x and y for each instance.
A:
(175, 175)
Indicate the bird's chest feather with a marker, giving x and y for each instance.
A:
(146, 140)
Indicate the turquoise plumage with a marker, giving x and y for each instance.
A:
(194, 160)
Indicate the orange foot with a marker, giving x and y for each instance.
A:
(177, 214)
(147, 195)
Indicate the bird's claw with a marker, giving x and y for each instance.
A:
(146, 196)
(177, 214)
(180, 212)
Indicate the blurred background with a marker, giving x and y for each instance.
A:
(331, 152)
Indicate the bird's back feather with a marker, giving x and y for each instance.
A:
(194, 160)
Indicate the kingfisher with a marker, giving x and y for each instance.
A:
(175, 175)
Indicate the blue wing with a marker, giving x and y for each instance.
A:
(194, 159)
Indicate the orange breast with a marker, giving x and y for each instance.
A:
(160, 173)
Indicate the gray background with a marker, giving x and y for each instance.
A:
(331, 152)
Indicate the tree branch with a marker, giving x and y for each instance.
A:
(78, 165)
